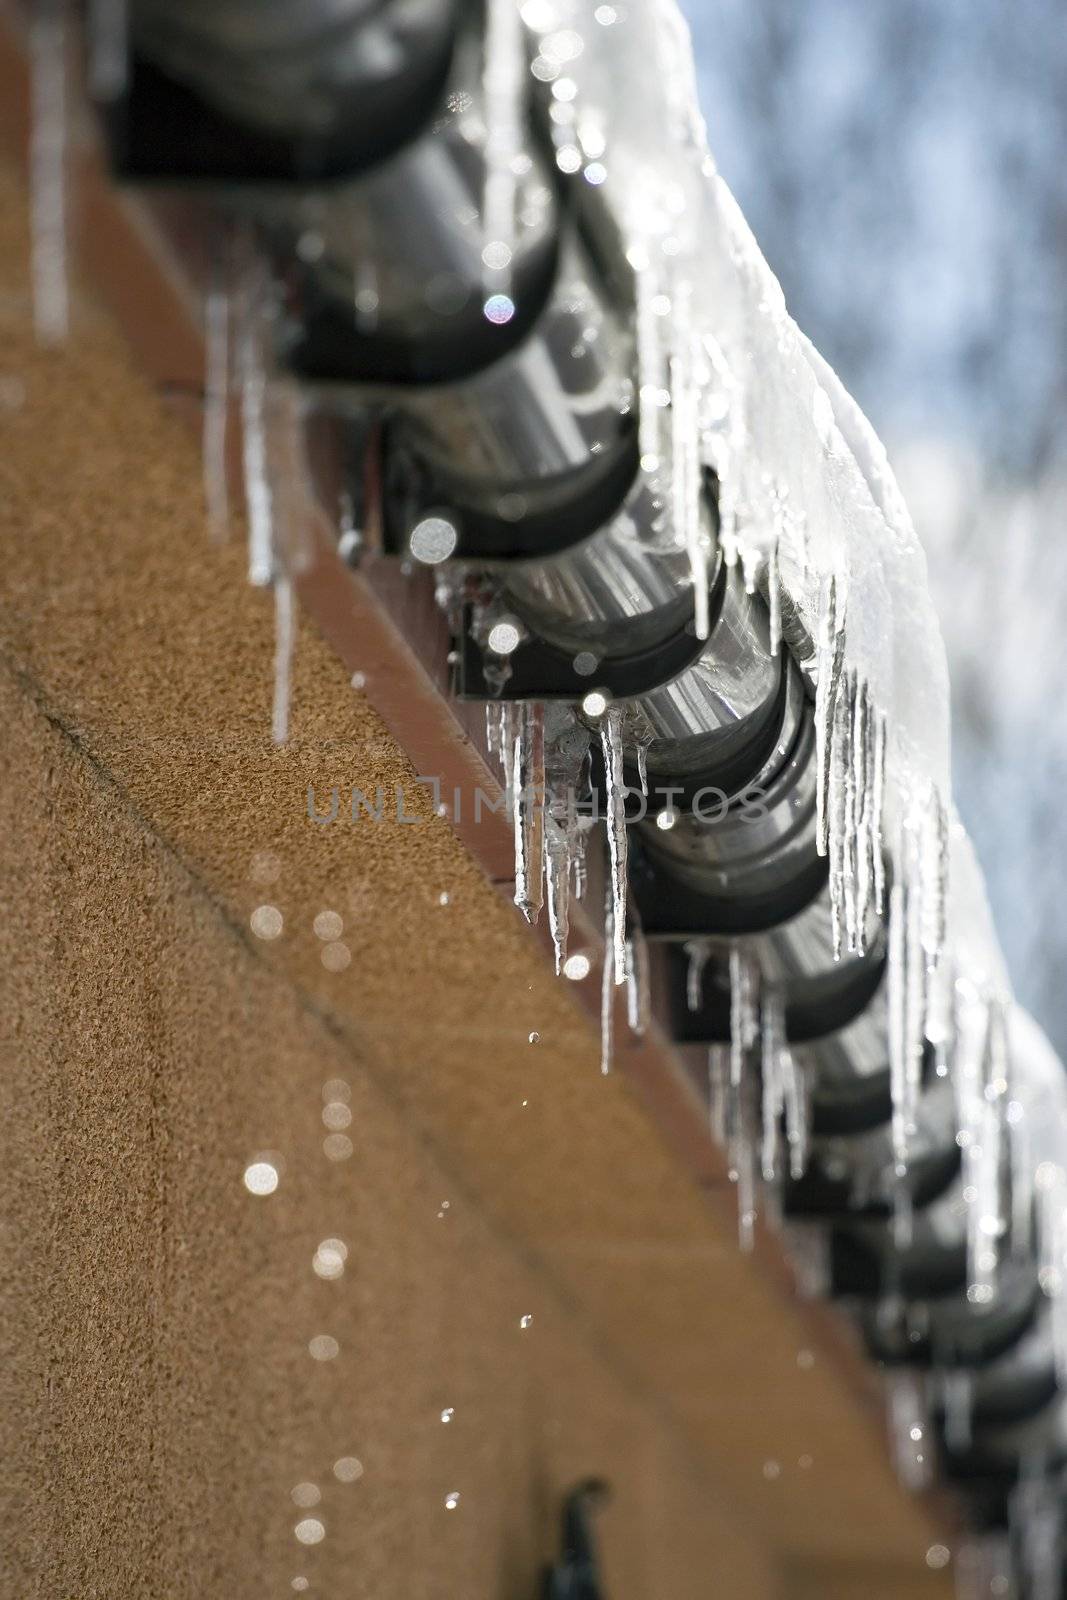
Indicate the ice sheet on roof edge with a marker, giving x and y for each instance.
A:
(815, 496)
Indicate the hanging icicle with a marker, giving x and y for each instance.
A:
(48, 171)
(638, 1002)
(528, 807)
(699, 953)
(829, 660)
(216, 409)
(686, 485)
(258, 506)
(653, 369)
(909, 1430)
(607, 986)
(612, 747)
(284, 631)
(558, 881)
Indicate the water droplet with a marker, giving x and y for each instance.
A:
(595, 703)
(772, 1470)
(577, 967)
(299, 1584)
(595, 173)
(261, 1177)
(265, 868)
(433, 540)
(805, 1462)
(329, 1259)
(504, 638)
(452, 1500)
(524, 1322)
(323, 1347)
(938, 1556)
(447, 1414)
(359, 680)
(496, 255)
(347, 1469)
(805, 1360)
(336, 1115)
(310, 1531)
(328, 925)
(266, 922)
(336, 956)
(499, 308)
(585, 663)
(535, 1038)
(337, 1147)
(666, 819)
(444, 898)
(306, 1495)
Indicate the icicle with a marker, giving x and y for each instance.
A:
(897, 1022)
(108, 64)
(216, 410)
(915, 981)
(744, 1010)
(744, 1171)
(607, 986)
(909, 1430)
(772, 1042)
(253, 424)
(699, 953)
(774, 599)
(722, 441)
(718, 1091)
(578, 865)
(558, 878)
(861, 841)
(652, 366)
(837, 815)
(611, 744)
(686, 487)
(828, 668)
(492, 731)
(957, 1394)
(637, 982)
(528, 770)
(797, 1111)
(504, 79)
(288, 477)
(509, 720)
(1036, 1525)
(983, 1568)
(283, 658)
(642, 766)
(48, 171)
(981, 1074)
(934, 876)
(877, 805)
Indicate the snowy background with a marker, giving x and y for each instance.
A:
(903, 164)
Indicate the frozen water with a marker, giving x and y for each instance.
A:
(612, 745)
(528, 808)
(216, 409)
(283, 658)
(48, 171)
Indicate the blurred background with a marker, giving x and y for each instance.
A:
(903, 164)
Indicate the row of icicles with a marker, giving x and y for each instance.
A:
(690, 418)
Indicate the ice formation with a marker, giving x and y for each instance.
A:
(48, 172)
